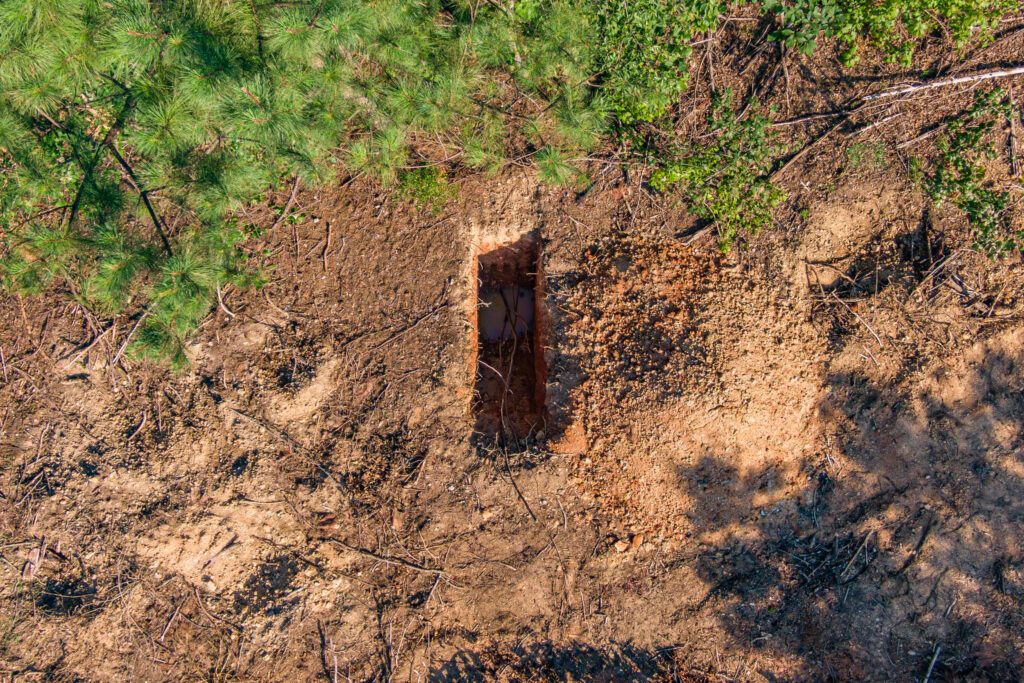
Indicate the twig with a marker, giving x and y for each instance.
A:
(398, 333)
(277, 308)
(129, 337)
(876, 124)
(809, 117)
(287, 206)
(91, 344)
(923, 136)
(213, 617)
(138, 429)
(877, 338)
(220, 302)
(221, 551)
(910, 89)
(25, 376)
(856, 553)
(3, 363)
(298, 448)
(388, 560)
(917, 549)
(1014, 150)
(169, 622)
(327, 248)
(931, 667)
(799, 155)
(519, 493)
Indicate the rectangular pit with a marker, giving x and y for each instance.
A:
(510, 324)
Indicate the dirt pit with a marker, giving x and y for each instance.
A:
(510, 372)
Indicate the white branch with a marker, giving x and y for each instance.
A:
(906, 90)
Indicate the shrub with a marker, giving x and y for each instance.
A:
(427, 187)
(644, 45)
(960, 178)
(894, 25)
(726, 181)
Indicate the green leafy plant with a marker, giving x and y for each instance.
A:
(725, 181)
(427, 187)
(960, 177)
(803, 21)
(644, 46)
(866, 156)
(893, 25)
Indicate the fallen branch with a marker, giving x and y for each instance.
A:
(911, 89)
(1014, 149)
(296, 447)
(799, 155)
(387, 560)
(287, 206)
(88, 347)
(854, 313)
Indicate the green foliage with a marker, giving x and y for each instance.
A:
(803, 21)
(427, 187)
(644, 46)
(960, 178)
(893, 25)
(866, 156)
(554, 170)
(131, 131)
(726, 181)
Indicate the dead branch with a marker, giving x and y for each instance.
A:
(854, 313)
(913, 89)
(287, 206)
(296, 447)
(387, 560)
(916, 552)
(799, 155)
(1014, 149)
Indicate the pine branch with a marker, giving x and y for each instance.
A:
(114, 128)
(258, 26)
(144, 195)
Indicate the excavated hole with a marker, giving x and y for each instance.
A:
(511, 326)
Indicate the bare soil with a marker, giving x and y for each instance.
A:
(803, 460)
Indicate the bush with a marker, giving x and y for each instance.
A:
(726, 181)
(644, 47)
(894, 25)
(960, 177)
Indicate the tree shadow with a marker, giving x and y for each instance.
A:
(616, 663)
(900, 557)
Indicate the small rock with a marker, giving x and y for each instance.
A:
(621, 546)
(636, 542)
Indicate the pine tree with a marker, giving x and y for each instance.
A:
(131, 131)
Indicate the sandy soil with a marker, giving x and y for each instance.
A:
(798, 461)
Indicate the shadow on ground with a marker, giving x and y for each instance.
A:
(618, 663)
(904, 561)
